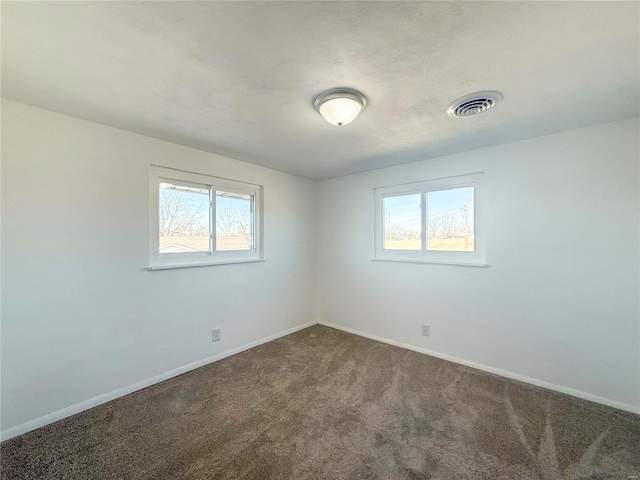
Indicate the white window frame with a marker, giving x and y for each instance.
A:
(476, 258)
(160, 261)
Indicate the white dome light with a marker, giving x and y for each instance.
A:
(340, 106)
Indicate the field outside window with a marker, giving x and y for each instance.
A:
(432, 221)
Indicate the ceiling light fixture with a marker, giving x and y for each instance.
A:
(340, 106)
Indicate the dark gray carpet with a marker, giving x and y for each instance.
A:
(324, 404)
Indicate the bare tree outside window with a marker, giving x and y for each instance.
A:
(180, 215)
(450, 220)
(402, 224)
(183, 219)
(227, 222)
(233, 221)
(202, 220)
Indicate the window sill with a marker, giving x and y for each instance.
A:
(434, 262)
(207, 264)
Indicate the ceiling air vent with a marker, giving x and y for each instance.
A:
(474, 104)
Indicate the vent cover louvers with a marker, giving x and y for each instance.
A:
(474, 104)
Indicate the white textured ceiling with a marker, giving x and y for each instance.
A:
(239, 78)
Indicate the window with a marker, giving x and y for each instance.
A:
(433, 221)
(202, 220)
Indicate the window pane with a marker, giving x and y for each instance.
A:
(184, 218)
(450, 217)
(402, 224)
(234, 221)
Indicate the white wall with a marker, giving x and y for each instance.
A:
(81, 317)
(83, 321)
(558, 305)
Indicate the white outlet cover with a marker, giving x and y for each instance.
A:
(425, 330)
(215, 335)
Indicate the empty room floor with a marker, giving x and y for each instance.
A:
(324, 404)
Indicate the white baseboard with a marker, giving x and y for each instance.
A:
(503, 373)
(107, 397)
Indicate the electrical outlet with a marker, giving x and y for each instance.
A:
(215, 335)
(425, 329)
